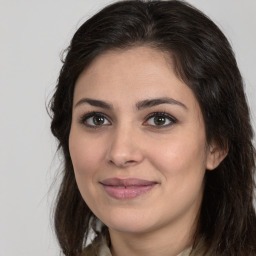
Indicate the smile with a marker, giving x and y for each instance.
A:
(127, 188)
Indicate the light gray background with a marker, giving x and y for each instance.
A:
(32, 35)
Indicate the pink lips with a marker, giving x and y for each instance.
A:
(126, 188)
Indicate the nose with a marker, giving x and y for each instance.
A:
(124, 149)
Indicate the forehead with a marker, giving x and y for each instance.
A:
(132, 59)
(134, 73)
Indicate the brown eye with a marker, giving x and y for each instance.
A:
(160, 120)
(98, 120)
(95, 120)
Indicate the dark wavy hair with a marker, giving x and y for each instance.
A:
(204, 60)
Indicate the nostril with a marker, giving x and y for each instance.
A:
(130, 162)
(122, 163)
(122, 154)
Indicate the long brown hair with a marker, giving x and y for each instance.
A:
(205, 62)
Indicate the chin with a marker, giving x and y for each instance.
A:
(128, 221)
(129, 227)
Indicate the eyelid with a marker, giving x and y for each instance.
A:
(163, 114)
(88, 115)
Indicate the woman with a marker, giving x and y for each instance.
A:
(153, 123)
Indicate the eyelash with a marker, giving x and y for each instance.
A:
(84, 119)
(171, 119)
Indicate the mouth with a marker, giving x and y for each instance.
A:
(127, 188)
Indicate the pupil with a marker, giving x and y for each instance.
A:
(98, 120)
(159, 120)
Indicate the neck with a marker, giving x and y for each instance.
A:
(163, 242)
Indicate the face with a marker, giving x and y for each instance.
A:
(137, 142)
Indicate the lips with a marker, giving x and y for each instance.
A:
(127, 188)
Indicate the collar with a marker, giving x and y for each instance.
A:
(105, 251)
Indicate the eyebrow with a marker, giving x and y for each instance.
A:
(158, 101)
(139, 105)
(95, 103)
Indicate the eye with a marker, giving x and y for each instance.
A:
(95, 120)
(160, 119)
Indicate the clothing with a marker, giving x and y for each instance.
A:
(101, 248)
(104, 251)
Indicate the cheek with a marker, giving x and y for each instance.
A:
(85, 156)
(181, 156)
(182, 166)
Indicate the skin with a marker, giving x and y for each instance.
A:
(130, 144)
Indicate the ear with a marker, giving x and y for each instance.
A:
(215, 155)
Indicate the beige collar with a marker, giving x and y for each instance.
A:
(105, 251)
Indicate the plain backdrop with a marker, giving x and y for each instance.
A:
(33, 34)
